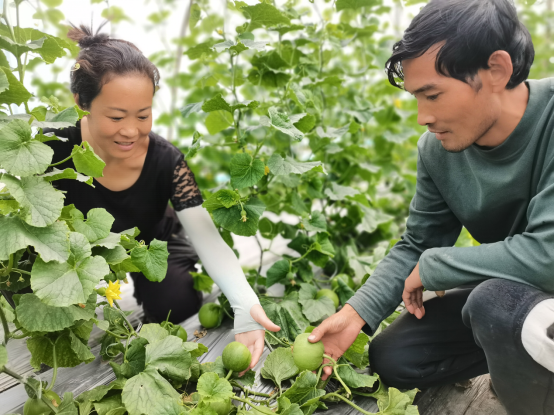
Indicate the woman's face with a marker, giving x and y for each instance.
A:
(120, 116)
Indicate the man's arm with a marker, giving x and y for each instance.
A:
(525, 258)
(431, 223)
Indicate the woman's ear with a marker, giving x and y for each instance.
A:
(76, 98)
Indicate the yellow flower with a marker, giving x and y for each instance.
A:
(113, 292)
(266, 170)
(398, 103)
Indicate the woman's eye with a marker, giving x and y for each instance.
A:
(143, 118)
(116, 118)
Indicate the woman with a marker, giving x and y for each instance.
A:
(115, 83)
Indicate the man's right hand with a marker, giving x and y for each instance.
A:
(338, 333)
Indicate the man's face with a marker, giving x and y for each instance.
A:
(459, 114)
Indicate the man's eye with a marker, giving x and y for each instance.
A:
(432, 97)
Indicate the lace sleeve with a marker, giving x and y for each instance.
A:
(185, 193)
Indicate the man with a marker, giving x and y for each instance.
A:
(487, 163)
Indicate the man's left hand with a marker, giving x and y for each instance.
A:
(413, 294)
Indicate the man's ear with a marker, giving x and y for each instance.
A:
(500, 70)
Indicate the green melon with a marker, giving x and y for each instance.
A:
(307, 356)
(236, 357)
(328, 293)
(209, 315)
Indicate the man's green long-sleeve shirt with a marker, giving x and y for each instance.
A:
(504, 196)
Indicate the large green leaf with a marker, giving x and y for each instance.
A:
(213, 389)
(279, 166)
(40, 203)
(218, 121)
(68, 173)
(222, 198)
(355, 380)
(65, 118)
(316, 222)
(135, 360)
(97, 225)
(36, 316)
(64, 284)
(283, 123)
(304, 388)
(21, 155)
(373, 218)
(16, 93)
(287, 314)
(31, 40)
(169, 357)
(246, 171)
(86, 161)
(338, 192)
(219, 103)
(70, 350)
(314, 309)
(51, 242)
(279, 365)
(152, 260)
(265, 14)
(277, 273)
(231, 219)
(150, 394)
(153, 333)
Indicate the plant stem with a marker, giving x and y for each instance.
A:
(229, 374)
(115, 335)
(253, 406)
(55, 367)
(24, 382)
(60, 162)
(268, 345)
(337, 374)
(344, 399)
(303, 256)
(5, 325)
(276, 339)
(21, 271)
(248, 391)
(228, 314)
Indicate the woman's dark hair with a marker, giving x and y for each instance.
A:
(100, 59)
(472, 30)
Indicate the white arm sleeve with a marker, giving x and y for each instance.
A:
(222, 265)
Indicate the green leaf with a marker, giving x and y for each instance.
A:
(245, 171)
(40, 203)
(279, 365)
(373, 218)
(354, 379)
(355, 4)
(3, 356)
(196, 349)
(8, 206)
(278, 272)
(338, 192)
(21, 155)
(213, 389)
(152, 260)
(202, 282)
(135, 360)
(85, 400)
(214, 367)
(231, 219)
(4, 83)
(344, 291)
(36, 316)
(31, 40)
(265, 14)
(112, 405)
(51, 242)
(16, 93)
(111, 241)
(67, 173)
(200, 49)
(332, 133)
(288, 165)
(188, 109)
(288, 408)
(153, 332)
(283, 123)
(86, 161)
(97, 225)
(65, 118)
(304, 388)
(64, 284)
(169, 357)
(219, 103)
(218, 121)
(314, 309)
(112, 255)
(222, 198)
(149, 393)
(398, 403)
(287, 315)
(67, 406)
(316, 222)
(70, 350)
(305, 123)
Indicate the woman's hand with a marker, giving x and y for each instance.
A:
(254, 340)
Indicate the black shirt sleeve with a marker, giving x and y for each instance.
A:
(185, 192)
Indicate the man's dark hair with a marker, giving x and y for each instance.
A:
(100, 59)
(472, 30)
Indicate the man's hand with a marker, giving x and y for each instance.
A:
(413, 294)
(338, 333)
(254, 340)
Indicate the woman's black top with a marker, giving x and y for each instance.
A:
(165, 177)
